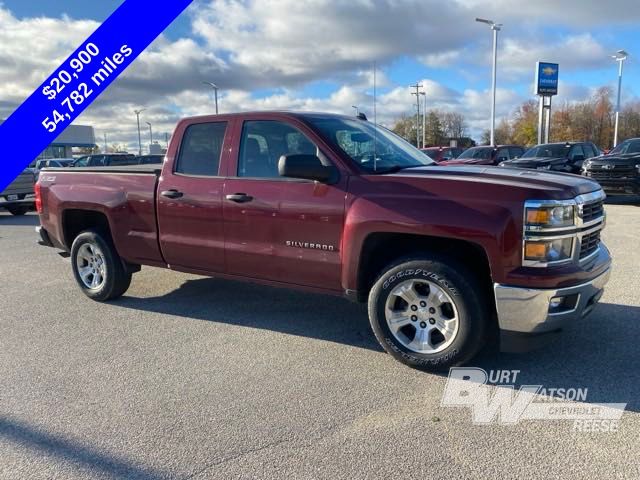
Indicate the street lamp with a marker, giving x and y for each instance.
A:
(619, 57)
(496, 28)
(150, 136)
(138, 112)
(356, 109)
(424, 121)
(215, 92)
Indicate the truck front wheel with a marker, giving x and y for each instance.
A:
(97, 267)
(427, 312)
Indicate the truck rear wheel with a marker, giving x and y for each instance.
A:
(18, 210)
(97, 267)
(427, 313)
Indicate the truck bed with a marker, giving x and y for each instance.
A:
(125, 195)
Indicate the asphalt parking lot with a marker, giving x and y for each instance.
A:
(192, 378)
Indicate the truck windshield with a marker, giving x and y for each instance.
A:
(483, 153)
(376, 150)
(628, 146)
(547, 151)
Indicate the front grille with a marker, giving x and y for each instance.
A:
(590, 243)
(612, 174)
(592, 211)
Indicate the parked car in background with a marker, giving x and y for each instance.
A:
(105, 160)
(619, 171)
(442, 154)
(148, 159)
(559, 157)
(14, 198)
(444, 256)
(52, 163)
(487, 155)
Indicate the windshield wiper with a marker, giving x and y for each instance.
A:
(397, 168)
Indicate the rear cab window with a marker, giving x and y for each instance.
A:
(201, 149)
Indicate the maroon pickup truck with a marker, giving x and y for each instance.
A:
(446, 257)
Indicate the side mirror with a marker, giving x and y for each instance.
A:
(502, 159)
(308, 167)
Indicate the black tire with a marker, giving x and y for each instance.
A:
(116, 278)
(461, 287)
(18, 210)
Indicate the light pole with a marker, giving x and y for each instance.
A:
(619, 57)
(496, 28)
(150, 136)
(424, 121)
(138, 112)
(355, 107)
(215, 93)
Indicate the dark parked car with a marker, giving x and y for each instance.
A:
(442, 154)
(619, 171)
(487, 155)
(148, 159)
(559, 157)
(106, 160)
(17, 198)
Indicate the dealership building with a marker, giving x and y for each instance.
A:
(75, 136)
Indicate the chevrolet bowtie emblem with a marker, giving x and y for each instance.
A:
(548, 71)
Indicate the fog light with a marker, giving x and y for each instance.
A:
(555, 302)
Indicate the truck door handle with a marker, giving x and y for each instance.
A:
(240, 198)
(172, 194)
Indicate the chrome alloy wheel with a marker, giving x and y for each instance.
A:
(90, 263)
(422, 316)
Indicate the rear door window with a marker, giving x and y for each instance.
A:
(516, 152)
(576, 152)
(201, 149)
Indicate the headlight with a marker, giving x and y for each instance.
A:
(544, 167)
(551, 216)
(546, 251)
(638, 167)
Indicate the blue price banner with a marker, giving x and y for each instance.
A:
(80, 80)
(547, 75)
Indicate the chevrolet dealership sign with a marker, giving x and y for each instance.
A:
(546, 79)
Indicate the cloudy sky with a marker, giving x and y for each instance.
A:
(318, 55)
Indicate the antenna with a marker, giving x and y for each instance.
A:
(375, 122)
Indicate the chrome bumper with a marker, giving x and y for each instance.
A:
(528, 310)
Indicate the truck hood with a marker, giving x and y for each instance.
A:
(532, 162)
(545, 184)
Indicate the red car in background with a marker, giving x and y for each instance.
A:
(487, 155)
(441, 154)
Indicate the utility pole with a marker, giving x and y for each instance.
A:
(417, 93)
(355, 107)
(166, 139)
(138, 112)
(619, 57)
(105, 142)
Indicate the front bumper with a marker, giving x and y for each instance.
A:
(626, 186)
(529, 311)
